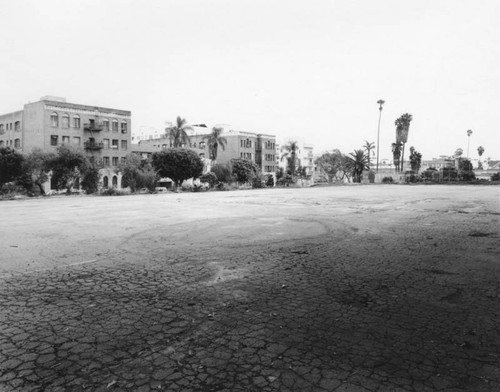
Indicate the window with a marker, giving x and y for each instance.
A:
(105, 179)
(115, 126)
(194, 144)
(105, 161)
(17, 143)
(105, 124)
(17, 126)
(114, 143)
(123, 127)
(2, 130)
(114, 180)
(54, 119)
(65, 139)
(106, 143)
(65, 120)
(76, 140)
(1, 143)
(202, 155)
(124, 144)
(76, 121)
(53, 140)
(202, 145)
(164, 146)
(115, 161)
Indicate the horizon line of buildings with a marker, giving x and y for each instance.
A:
(105, 135)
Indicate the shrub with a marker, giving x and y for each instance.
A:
(210, 178)
(270, 180)
(387, 180)
(112, 192)
(495, 177)
(187, 187)
(222, 186)
(286, 180)
(449, 174)
(223, 172)
(431, 174)
(412, 178)
(259, 181)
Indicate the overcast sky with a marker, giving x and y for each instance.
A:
(310, 69)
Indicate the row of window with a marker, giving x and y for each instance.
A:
(270, 157)
(269, 169)
(246, 155)
(76, 123)
(269, 145)
(246, 143)
(7, 126)
(114, 161)
(54, 141)
(8, 143)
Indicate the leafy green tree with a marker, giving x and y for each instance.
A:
(223, 171)
(90, 178)
(458, 152)
(244, 170)
(357, 163)
(178, 164)
(214, 140)
(137, 173)
(178, 133)
(11, 165)
(465, 170)
(36, 170)
(402, 129)
(68, 165)
(415, 159)
(333, 165)
(289, 153)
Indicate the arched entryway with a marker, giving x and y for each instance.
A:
(105, 182)
(115, 182)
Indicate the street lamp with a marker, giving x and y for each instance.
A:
(380, 102)
(469, 132)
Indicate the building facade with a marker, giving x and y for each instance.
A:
(258, 148)
(103, 133)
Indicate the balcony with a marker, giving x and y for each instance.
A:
(93, 127)
(90, 145)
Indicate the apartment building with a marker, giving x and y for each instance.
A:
(103, 133)
(258, 148)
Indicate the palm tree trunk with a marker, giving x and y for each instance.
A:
(403, 158)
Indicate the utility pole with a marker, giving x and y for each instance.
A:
(380, 102)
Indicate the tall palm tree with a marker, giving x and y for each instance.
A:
(357, 163)
(214, 140)
(370, 150)
(177, 134)
(480, 151)
(402, 128)
(289, 152)
(396, 154)
(469, 132)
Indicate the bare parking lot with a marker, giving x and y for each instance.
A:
(349, 288)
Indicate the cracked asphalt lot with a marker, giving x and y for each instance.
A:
(349, 288)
